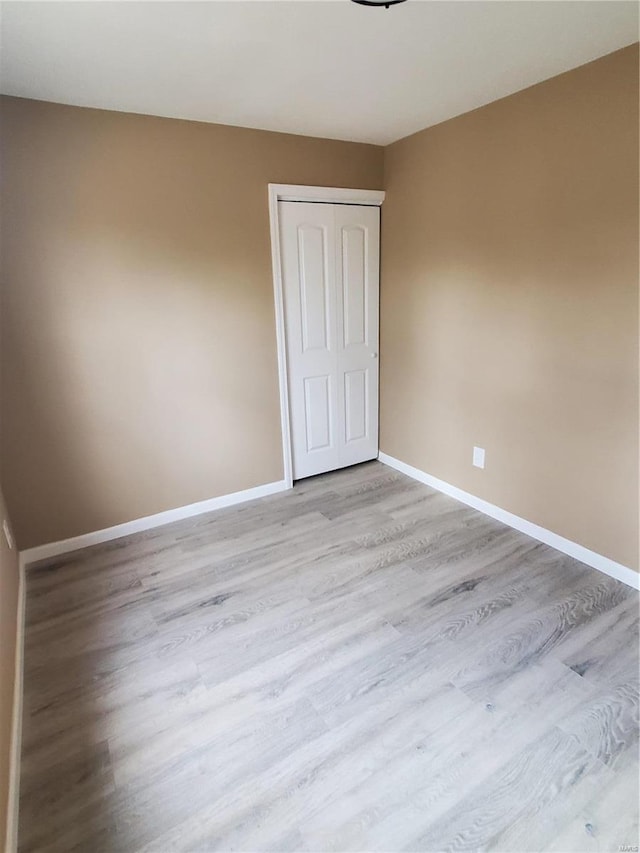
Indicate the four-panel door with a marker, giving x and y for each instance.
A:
(330, 270)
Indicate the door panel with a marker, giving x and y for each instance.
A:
(314, 295)
(355, 400)
(330, 288)
(354, 278)
(317, 407)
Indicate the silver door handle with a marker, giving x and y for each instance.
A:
(374, 355)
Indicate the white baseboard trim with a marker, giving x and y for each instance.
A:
(16, 722)
(54, 549)
(573, 549)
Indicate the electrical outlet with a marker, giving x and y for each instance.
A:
(7, 533)
(478, 457)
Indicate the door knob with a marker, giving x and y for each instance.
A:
(374, 355)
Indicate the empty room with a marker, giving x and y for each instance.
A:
(319, 426)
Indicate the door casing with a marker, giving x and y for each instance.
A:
(295, 192)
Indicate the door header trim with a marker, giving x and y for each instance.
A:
(295, 192)
(330, 195)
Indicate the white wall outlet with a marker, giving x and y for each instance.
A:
(478, 457)
(7, 533)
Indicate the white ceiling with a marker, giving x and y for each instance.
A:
(331, 69)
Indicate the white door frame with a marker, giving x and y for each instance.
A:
(294, 192)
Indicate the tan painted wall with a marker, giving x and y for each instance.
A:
(510, 303)
(138, 345)
(8, 623)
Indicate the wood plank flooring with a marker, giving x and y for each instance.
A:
(358, 664)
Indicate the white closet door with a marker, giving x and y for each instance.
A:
(357, 278)
(330, 282)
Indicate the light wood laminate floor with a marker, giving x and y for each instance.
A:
(358, 664)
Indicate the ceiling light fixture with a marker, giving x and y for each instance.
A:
(385, 3)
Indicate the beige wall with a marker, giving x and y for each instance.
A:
(510, 303)
(138, 345)
(8, 623)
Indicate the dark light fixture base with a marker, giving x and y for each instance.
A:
(385, 3)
